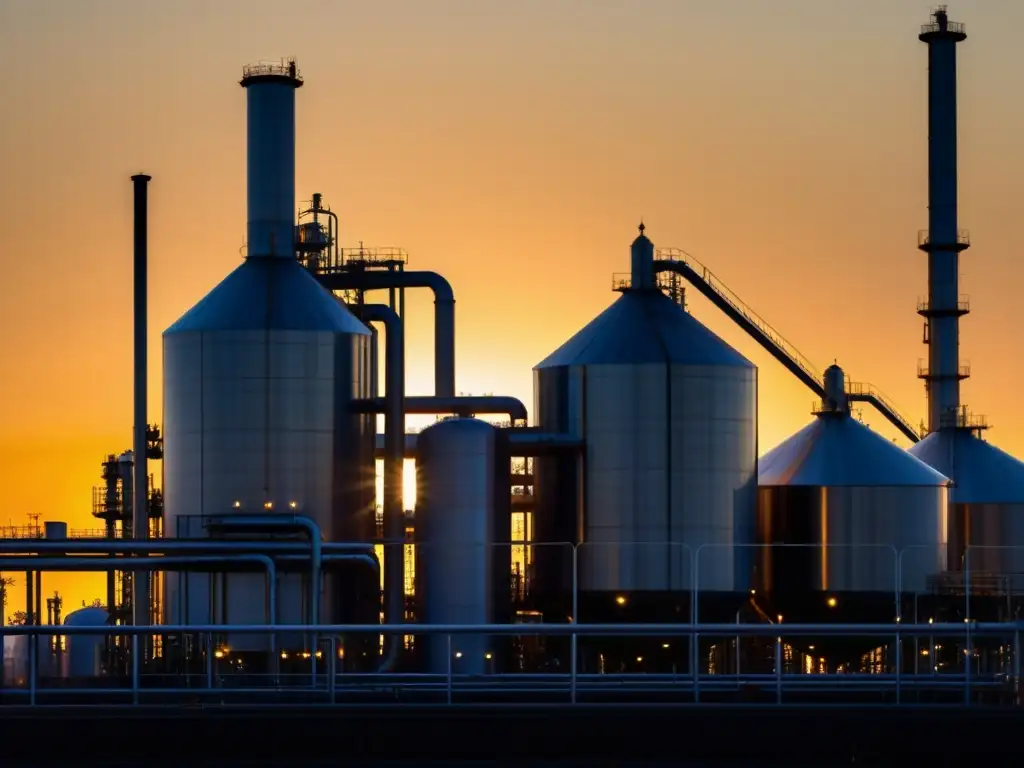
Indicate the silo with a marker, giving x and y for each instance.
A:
(258, 377)
(838, 504)
(986, 517)
(85, 652)
(462, 527)
(667, 412)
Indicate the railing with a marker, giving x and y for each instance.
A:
(220, 676)
(282, 68)
(867, 392)
(963, 306)
(961, 418)
(963, 238)
(987, 658)
(955, 27)
(963, 370)
(734, 301)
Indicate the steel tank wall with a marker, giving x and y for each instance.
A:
(670, 459)
(261, 414)
(84, 652)
(989, 539)
(855, 535)
(456, 527)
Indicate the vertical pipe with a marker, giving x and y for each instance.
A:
(270, 157)
(394, 460)
(943, 244)
(140, 484)
(642, 262)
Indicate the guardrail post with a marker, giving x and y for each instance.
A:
(332, 667)
(778, 670)
(33, 667)
(208, 642)
(135, 669)
(449, 682)
(899, 663)
(576, 620)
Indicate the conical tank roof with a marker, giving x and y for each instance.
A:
(644, 327)
(981, 473)
(836, 450)
(279, 294)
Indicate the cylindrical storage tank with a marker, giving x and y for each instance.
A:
(85, 652)
(986, 516)
(848, 521)
(667, 412)
(55, 530)
(258, 379)
(455, 526)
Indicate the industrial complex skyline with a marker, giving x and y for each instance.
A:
(513, 150)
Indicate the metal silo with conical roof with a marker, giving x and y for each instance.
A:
(258, 377)
(667, 413)
(848, 521)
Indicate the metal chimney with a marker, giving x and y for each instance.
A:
(140, 485)
(271, 157)
(943, 241)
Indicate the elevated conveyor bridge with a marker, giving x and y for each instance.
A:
(679, 262)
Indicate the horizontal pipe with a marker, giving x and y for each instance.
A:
(461, 406)
(444, 312)
(594, 630)
(524, 442)
(72, 564)
(162, 546)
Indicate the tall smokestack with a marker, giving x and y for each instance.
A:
(140, 489)
(943, 240)
(271, 157)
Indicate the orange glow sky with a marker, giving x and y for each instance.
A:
(512, 147)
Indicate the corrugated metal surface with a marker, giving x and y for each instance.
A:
(836, 450)
(455, 539)
(257, 381)
(668, 415)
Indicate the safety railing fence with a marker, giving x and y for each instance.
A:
(218, 678)
(951, 625)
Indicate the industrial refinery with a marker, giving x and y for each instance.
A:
(625, 536)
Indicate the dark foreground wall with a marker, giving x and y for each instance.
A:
(297, 737)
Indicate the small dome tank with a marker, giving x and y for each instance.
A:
(838, 504)
(85, 652)
(462, 569)
(668, 415)
(986, 516)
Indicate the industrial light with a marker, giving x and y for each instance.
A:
(458, 654)
(779, 617)
(319, 654)
(218, 654)
(664, 645)
(620, 599)
(284, 654)
(237, 504)
(639, 659)
(831, 602)
(487, 656)
(268, 505)
(293, 504)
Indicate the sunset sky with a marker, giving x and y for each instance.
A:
(512, 147)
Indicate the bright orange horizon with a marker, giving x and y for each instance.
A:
(513, 148)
